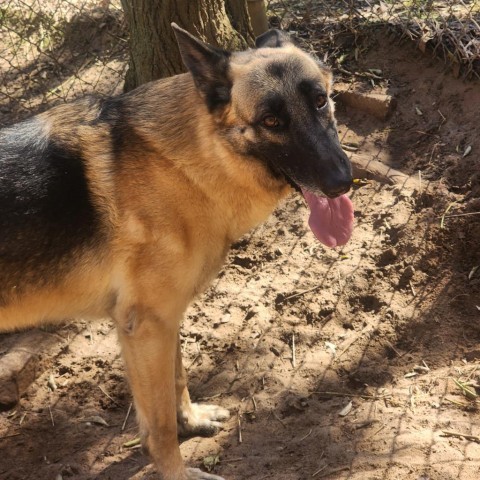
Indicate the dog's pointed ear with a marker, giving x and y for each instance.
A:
(208, 66)
(273, 39)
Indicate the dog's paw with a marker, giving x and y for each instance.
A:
(204, 420)
(197, 474)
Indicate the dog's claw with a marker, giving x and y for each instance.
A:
(197, 474)
(204, 420)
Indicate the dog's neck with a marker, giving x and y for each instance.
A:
(183, 125)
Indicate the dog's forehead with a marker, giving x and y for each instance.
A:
(275, 70)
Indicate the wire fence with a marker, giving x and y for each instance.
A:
(448, 29)
(55, 50)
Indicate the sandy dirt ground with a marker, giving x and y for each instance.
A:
(337, 364)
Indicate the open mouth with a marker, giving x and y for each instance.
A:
(331, 219)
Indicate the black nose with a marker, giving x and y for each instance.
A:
(337, 188)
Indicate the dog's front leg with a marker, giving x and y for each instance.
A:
(194, 418)
(149, 344)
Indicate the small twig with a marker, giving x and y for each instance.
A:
(233, 460)
(321, 469)
(471, 438)
(347, 347)
(367, 423)
(354, 395)
(443, 118)
(192, 363)
(335, 470)
(294, 356)
(414, 293)
(470, 375)
(276, 417)
(376, 431)
(126, 417)
(442, 221)
(254, 403)
(359, 74)
(211, 397)
(390, 345)
(22, 418)
(294, 295)
(239, 422)
(460, 215)
(51, 416)
(306, 436)
(107, 395)
(10, 436)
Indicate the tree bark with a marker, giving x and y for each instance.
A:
(153, 50)
(258, 16)
(238, 14)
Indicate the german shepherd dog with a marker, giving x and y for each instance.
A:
(127, 207)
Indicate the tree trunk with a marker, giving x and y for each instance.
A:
(238, 14)
(258, 16)
(153, 50)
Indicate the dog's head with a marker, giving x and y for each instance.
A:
(273, 104)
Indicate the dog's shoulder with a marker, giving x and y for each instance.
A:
(45, 197)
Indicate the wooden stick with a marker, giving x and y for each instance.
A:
(373, 169)
(390, 345)
(126, 417)
(459, 215)
(51, 415)
(472, 438)
(276, 417)
(335, 470)
(294, 356)
(306, 436)
(319, 470)
(240, 440)
(346, 348)
(10, 436)
(354, 395)
(376, 431)
(294, 295)
(107, 395)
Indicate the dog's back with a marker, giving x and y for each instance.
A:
(49, 218)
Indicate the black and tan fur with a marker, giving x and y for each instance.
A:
(127, 206)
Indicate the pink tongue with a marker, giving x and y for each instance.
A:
(331, 220)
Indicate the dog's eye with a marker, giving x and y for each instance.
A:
(271, 121)
(320, 101)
